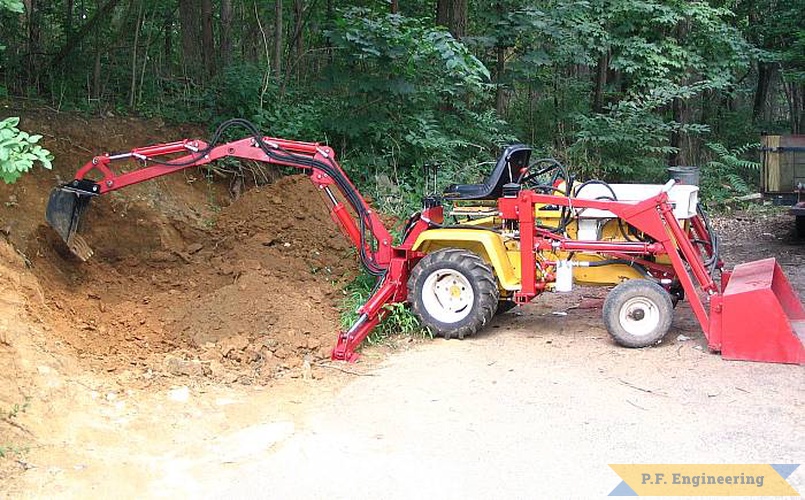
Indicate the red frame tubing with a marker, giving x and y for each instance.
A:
(391, 290)
(653, 216)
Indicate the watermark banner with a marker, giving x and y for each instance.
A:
(704, 480)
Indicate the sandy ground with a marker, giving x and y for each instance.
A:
(535, 407)
(511, 416)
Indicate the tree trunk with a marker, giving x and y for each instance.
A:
(253, 35)
(443, 12)
(191, 36)
(765, 73)
(167, 45)
(458, 19)
(795, 96)
(133, 86)
(207, 40)
(277, 62)
(678, 107)
(34, 49)
(501, 97)
(599, 83)
(676, 157)
(298, 38)
(226, 33)
(453, 15)
(68, 20)
(395, 6)
(95, 91)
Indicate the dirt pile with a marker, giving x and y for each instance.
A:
(248, 298)
(185, 281)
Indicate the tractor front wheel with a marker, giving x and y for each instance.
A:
(453, 292)
(638, 313)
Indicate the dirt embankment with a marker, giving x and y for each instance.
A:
(186, 280)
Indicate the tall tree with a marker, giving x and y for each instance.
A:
(190, 23)
(226, 33)
(278, 39)
(453, 15)
(207, 39)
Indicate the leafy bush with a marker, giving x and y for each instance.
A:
(630, 141)
(19, 150)
(730, 173)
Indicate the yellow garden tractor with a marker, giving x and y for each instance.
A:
(527, 230)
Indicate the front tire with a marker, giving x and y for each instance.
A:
(453, 292)
(638, 313)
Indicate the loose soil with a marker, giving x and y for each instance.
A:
(185, 280)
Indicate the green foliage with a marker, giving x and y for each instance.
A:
(409, 90)
(15, 6)
(398, 321)
(730, 173)
(19, 150)
(630, 141)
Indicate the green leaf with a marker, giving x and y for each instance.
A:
(10, 122)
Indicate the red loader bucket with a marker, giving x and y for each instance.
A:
(763, 319)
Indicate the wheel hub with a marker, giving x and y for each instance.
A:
(639, 316)
(447, 295)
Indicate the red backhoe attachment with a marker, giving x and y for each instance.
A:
(762, 318)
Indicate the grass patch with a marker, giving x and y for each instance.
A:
(398, 321)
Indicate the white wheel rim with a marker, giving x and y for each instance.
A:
(447, 296)
(639, 316)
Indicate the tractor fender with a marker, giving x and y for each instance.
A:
(486, 244)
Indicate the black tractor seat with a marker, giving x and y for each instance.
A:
(507, 170)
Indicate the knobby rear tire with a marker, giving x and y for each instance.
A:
(441, 278)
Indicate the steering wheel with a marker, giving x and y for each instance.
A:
(530, 176)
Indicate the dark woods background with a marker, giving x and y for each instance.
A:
(615, 88)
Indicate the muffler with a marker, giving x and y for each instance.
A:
(66, 206)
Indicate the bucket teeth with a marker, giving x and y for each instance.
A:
(65, 207)
(80, 248)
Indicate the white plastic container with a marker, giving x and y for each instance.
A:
(683, 198)
(564, 276)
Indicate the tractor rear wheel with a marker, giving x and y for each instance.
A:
(638, 313)
(453, 292)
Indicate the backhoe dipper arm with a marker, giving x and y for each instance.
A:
(360, 223)
(317, 160)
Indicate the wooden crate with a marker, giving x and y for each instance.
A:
(783, 160)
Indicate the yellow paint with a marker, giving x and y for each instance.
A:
(503, 253)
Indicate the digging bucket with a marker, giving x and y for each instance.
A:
(65, 207)
(763, 319)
